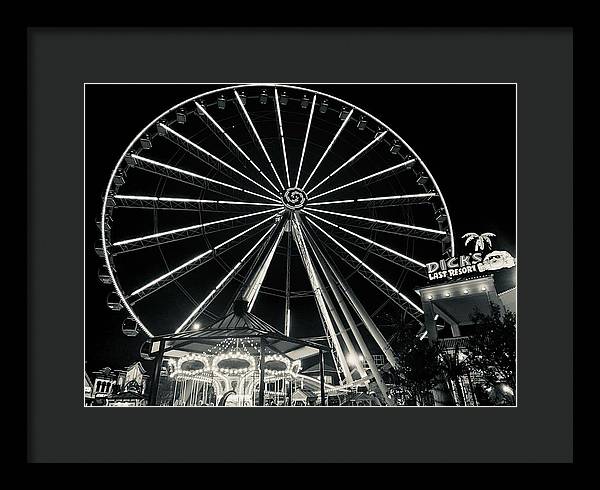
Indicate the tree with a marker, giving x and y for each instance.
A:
(480, 240)
(493, 347)
(454, 364)
(418, 369)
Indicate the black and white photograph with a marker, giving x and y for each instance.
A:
(288, 244)
(300, 245)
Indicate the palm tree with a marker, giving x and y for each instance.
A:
(480, 240)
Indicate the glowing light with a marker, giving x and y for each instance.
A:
(328, 148)
(233, 356)
(312, 110)
(371, 270)
(278, 358)
(243, 109)
(209, 154)
(201, 177)
(368, 240)
(184, 199)
(391, 223)
(234, 143)
(287, 171)
(223, 281)
(197, 257)
(189, 228)
(349, 161)
(178, 366)
(376, 174)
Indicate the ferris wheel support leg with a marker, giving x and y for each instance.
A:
(255, 284)
(287, 319)
(364, 316)
(320, 292)
(340, 324)
(355, 331)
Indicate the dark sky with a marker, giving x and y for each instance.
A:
(465, 134)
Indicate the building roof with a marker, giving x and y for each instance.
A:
(139, 366)
(303, 394)
(509, 299)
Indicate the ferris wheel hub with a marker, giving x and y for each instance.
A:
(294, 198)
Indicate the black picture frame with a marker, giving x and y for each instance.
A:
(60, 60)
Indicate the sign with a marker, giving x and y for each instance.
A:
(476, 262)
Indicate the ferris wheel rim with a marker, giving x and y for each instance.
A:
(235, 87)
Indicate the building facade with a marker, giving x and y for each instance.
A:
(118, 387)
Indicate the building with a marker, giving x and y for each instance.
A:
(87, 389)
(448, 319)
(118, 387)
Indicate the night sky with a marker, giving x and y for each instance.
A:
(465, 134)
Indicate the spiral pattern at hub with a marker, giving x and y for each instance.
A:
(294, 198)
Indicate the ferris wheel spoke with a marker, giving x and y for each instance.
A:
(280, 124)
(185, 176)
(378, 202)
(194, 263)
(229, 142)
(182, 233)
(368, 177)
(312, 110)
(256, 136)
(185, 204)
(386, 252)
(390, 226)
(221, 285)
(350, 160)
(343, 125)
(205, 156)
(372, 276)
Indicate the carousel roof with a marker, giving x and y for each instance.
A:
(315, 369)
(238, 325)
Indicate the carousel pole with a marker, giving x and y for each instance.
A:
(156, 378)
(261, 387)
(322, 377)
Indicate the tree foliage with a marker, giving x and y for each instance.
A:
(493, 347)
(419, 366)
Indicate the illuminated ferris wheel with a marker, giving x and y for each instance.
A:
(236, 185)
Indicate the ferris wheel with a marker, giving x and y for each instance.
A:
(230, 187)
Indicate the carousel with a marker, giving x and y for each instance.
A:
(239, 361)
